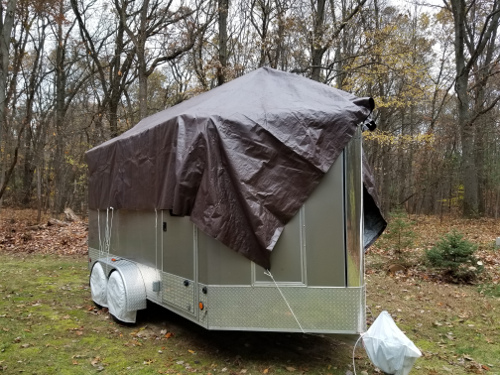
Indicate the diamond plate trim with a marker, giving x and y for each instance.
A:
(327, 310)
(176, 293)
(260, 308)
(93, 255)
(134, 284)
(106, 262)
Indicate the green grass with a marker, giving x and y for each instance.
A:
(456, 327)
(490, 290)
(48, 325)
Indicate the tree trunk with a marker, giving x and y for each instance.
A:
(39, 193)
(60, 87)
(317, 50)
(223, 54)
(141, 59)
(6, 24)
(143, 89)
(7, 12)
(29, 168)
(469, 175)
(463, 70)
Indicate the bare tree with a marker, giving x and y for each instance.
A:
(110, 56)
(475, 23)
(68, 80)
(223, 12)
(321, 39)
(7, 13)
(11, 128)
(159, 32)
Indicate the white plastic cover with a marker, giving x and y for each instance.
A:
(98, 285)
(388, 347)
(117, 299)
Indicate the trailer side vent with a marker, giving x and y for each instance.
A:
(156, 286)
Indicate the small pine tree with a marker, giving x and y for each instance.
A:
(399, 234)
(455, 256)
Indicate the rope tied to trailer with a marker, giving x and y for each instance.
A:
(268, 273)
(354, 352)
(156, 237)
(99, 231)
(105, 243)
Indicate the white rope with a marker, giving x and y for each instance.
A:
(156, 238)
(106, 243)
(110, 228)
(99, 231)
(353, 353)
(268, 273)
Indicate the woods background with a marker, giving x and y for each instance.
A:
(75, 73)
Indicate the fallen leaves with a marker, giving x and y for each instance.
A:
(429, 229)
(17, 235)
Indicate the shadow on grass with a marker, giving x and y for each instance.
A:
(237, 347)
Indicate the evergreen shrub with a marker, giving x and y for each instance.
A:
(454, 255)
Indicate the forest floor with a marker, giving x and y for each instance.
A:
(48, 323)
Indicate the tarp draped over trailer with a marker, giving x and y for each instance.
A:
(240, 160)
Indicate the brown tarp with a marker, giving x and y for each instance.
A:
(240, 160)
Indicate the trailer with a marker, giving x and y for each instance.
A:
(248, 207)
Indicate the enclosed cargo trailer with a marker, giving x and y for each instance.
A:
(190, 208)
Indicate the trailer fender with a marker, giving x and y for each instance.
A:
(126, 291)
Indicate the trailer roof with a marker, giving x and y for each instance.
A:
(240, 159)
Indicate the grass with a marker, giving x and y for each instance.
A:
(48, 325)
(491, 290)
(455, 326)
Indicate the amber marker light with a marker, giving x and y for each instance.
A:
(201, 305)
(113, 259)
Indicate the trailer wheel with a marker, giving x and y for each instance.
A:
(98, 285)
(117, 299)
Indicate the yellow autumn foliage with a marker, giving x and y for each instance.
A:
(385, 138)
